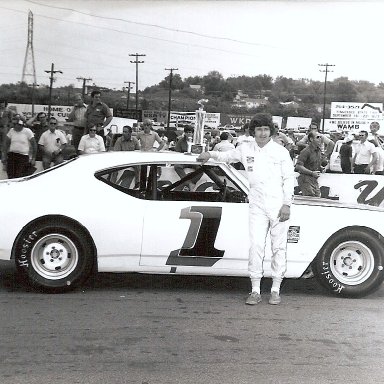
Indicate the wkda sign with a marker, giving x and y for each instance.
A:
(357, 111)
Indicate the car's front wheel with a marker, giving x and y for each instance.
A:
(351, 263)
(54, 257)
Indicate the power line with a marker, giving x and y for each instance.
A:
(51, 79)
(129, 92)
(150, 25)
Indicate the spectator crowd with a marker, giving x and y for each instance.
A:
(23, 142)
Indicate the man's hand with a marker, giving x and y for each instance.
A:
(284, 213)
(367, 170)
(204, 157)
(316, 174)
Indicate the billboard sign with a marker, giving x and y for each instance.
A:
(359, 111)
(347, 125)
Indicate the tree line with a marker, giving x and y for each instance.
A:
(306, 94)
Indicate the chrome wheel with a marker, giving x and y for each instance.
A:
(352, 262)
(54, 256)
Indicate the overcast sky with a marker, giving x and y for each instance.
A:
(289, 38)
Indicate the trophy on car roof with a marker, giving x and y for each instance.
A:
(197, 146)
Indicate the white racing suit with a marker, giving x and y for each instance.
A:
(271, 178)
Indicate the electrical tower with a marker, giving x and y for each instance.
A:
(29, 60)
(129, 92)
(84, 84)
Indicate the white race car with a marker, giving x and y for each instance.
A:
(165, 213)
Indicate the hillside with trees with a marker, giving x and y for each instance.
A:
(302, 97)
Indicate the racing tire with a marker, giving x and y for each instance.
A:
(351, 263)
(54, 257)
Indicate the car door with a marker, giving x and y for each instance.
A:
(204, 230)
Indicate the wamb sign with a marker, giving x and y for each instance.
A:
(348, 125)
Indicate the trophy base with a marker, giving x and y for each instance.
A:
(196, 149)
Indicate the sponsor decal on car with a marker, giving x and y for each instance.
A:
(27, 241)
(331, 280)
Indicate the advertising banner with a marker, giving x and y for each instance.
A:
(298, 123)
(347, 125)
(212, 120)
(156, 116)
(240, 120)
(359, 111)
(60, 112)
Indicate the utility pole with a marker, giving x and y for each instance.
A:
(169, 94)
(129, 92)
(137, 62)
(84, 82)
(51, 79)
(34, 85)
(325, 88)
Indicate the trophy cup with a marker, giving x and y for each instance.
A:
(198, 146)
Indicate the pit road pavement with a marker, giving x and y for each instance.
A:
(145, 329)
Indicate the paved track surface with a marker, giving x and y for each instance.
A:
(130, 328)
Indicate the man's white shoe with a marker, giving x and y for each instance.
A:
(275, 298)
(253, 298)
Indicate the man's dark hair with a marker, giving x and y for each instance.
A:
(246, 126)
(95, 92)
(128, 127)
(262, 120)
(312, 135)
(365, 133)
(188, 128)
(224, 136)
(52, 118)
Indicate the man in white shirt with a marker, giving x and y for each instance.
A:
(224, 144)
(51, 144)
(269, 168)
(91, 143)
(365, 156)
(246, 137)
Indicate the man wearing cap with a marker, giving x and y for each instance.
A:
(346, 154)
(19, 142)
(271, 178)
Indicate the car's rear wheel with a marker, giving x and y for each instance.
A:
(54, 257)
(351, 263)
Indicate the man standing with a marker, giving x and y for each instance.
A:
(147, 137)
(377, 140)
(126, 142)
(98, 114)
(309, 166)
(365, 156)
(5, 121)
(346, 154)
(326, 144)
(91, 143)
(246, 137)
(269, 168)
(52, 143)
(77, 116)
(182, 143)
(19, 142)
